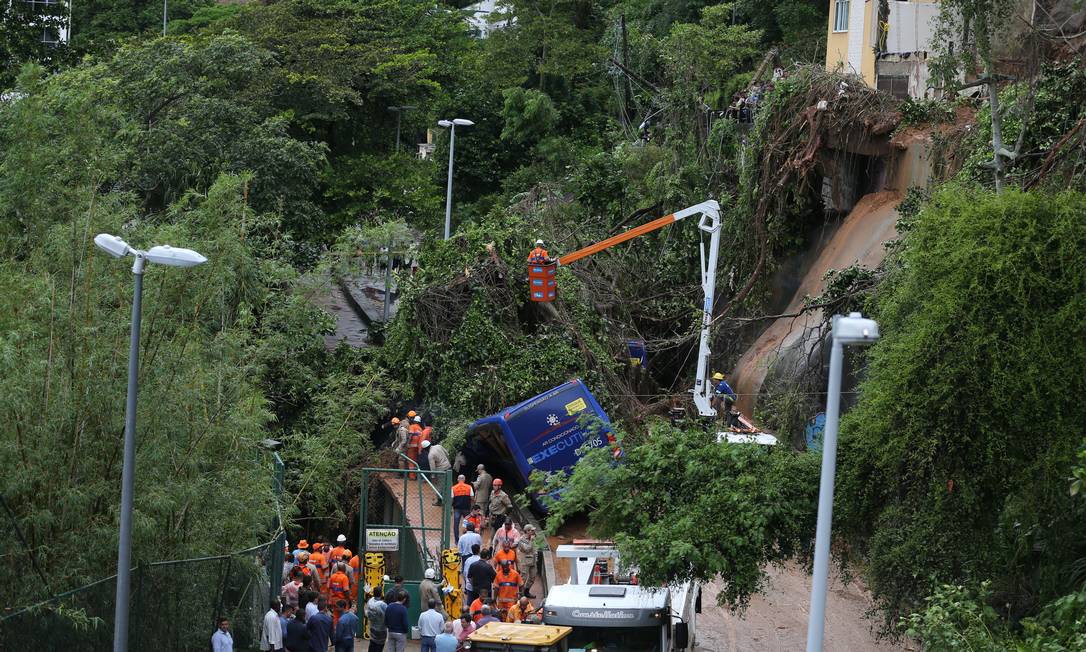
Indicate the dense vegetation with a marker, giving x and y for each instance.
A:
(261, 136)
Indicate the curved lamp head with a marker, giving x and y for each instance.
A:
(444, 123)
(855, 329)
(112, 245)
(175, 256)
(463, 122)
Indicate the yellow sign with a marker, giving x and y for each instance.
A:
(576, 406)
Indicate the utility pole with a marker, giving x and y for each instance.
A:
(399, 114)
(388, 280)
(627, 89)
(164, 17)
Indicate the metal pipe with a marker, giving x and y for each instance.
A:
(128, 471)
(422, 474)
(817, 622)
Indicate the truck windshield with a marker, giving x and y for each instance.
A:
(626, 639)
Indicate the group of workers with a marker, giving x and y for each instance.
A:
(415, 439)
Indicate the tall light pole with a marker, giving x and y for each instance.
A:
(163, 255)
(399, 114)
(847, 331)
(451, 126)
(164, 17)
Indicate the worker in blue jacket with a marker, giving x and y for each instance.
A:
(724, 393)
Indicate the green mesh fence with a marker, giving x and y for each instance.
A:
(174, 607)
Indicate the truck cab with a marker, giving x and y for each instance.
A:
(609, 610)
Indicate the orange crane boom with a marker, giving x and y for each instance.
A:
(647, 227)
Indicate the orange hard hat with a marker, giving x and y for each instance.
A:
(303, 544)
(410, 414)
(395, 421)
(497, 482)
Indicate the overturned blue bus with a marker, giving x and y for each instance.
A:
(542, 433)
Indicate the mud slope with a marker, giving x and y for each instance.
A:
(859, 239)
(776, 620)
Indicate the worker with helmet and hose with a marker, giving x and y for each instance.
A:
(500, 505)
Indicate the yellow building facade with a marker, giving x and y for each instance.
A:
(857, 40)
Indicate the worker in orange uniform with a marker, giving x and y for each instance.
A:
(340, 548)
(321, 558)
(521, 612)
(506, 588)
(356, 566)
(414, 442)
(462, 494)
(476, 607)
(339, 588)
(539, 255)
(507, 553)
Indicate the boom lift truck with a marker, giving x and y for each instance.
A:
(544, 289)
(610, 611)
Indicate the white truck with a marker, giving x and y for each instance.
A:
(609, 610)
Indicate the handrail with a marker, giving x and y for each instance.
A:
(423, 476)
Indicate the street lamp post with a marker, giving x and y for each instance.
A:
(451, 126)
(163, 255)
(399, 114)
(851, 330)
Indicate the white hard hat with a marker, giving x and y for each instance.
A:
(539, 242)
(417, 419)
(341, 538)
(430, 574)
(426, 444)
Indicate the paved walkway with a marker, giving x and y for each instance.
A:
(430, 514)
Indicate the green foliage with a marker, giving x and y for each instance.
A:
(63, 358)
(924, 112)
(101, 25)
(961, 618)
(22, 27)
(529, 115)
(682, 507)
(967, 425)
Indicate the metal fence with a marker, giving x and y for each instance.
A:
(175, 605)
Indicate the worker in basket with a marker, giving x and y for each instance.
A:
(723, 394)
(539, 255)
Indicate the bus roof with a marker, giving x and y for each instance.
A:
(519, 633)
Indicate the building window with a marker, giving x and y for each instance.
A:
(840, 16)
(896, 85)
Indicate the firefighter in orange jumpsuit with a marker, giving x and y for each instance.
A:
(507, 584)
(506, 554)
(414, 442)
(339, 588)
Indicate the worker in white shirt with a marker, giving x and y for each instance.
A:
(271, 634)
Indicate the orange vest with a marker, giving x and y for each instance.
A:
(318, 560)
(476, 609)
(502, 555)
(538, 253)
(477, 520)
(354, 564)
(508, 589)
(461, 489)
(338, 552)
(339, 586)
